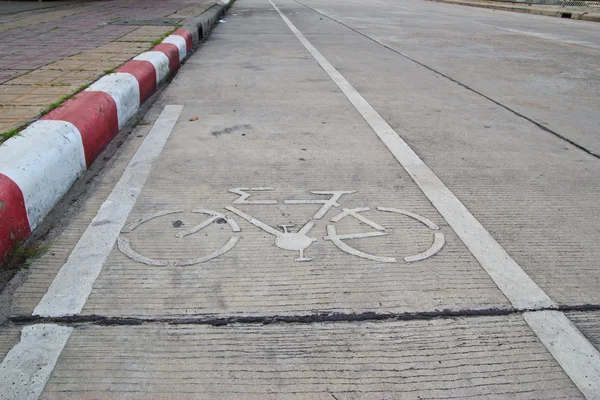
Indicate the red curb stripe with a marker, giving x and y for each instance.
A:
(14, 224)
(145, 74)
(187, 35)
(94, 114)
(172, 52)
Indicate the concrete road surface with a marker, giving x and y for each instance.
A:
(336, 200)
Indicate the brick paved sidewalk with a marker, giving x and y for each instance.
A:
(51, 53)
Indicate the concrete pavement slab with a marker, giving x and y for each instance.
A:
(589, 324)
(491, 357)
(542, 68)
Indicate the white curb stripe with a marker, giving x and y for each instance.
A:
(125, 91)
(160, 61)
(178, 41)
(27, 366)
(73, 284)
(44, 161)
(575, 354)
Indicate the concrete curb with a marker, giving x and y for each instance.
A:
(560, 13)
(39, 166)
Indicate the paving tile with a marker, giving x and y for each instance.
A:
(406, 359)
(36, 99)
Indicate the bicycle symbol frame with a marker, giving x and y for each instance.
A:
(284, 239)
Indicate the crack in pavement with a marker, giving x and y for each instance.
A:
(101, 320)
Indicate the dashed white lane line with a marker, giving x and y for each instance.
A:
(578, 358)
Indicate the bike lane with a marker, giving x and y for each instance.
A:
(270, 118)
(273, 200)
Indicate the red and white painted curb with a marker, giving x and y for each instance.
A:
(38, 166)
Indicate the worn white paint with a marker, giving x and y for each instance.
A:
(354, 212)
(327, 204)
(160, 61)
(516, 285)
(439, 241)
(267, 228)
(244, 195)
(131, 226)
(228, 246)
(214, 216)
(27, 366)
(124, 244)
(44, 160)
(73, 283)
(293, 241)
(575, 354)
(178, 41)
(427, 222)
(125, 91)
(337, 240)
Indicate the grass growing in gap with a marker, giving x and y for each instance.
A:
(23, 256)
(163, 37)
(60, 101)
(11, 132)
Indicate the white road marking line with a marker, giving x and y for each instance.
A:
(244, 195)
(439, 241)
(576, 355)
(517, 286)
(578, 358)
(27, 366)
(327, 204)
(73, 283)
(255, 222)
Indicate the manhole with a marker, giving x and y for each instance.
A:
(147, 21)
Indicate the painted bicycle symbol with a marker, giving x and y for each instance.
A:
(298, 241)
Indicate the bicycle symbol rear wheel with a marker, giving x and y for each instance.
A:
(125, 247)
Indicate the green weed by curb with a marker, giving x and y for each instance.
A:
(23, 256)
(10, 133)
(163, 37)
(60, 101)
